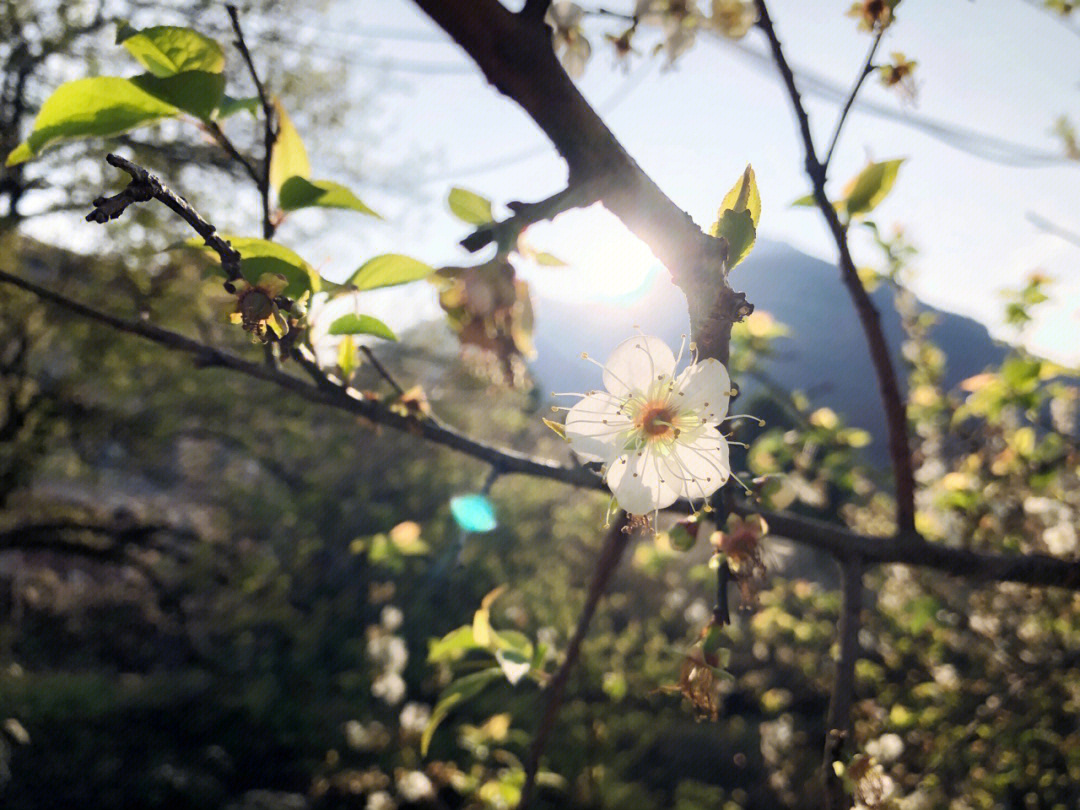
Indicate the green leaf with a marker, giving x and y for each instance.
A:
(737, 227)
(470, 207)
(299, 192)
(452, 646)
(808, 200)
(86, 108)
(258, 256)
(870, 186)
(346, 355)
(515, 641)
(389, 270)
(230, 106)
(744, 196)
(289, 157)
(166, 50)
(194, 91)
(457, 692)
(361, 325)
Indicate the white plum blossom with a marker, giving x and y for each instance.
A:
(655, 431)
(568, 36)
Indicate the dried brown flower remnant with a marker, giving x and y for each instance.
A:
(740, 543)
(900, 75)
(873, 15)
(257, 308)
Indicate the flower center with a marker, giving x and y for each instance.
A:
(656, 421)
(256, 306)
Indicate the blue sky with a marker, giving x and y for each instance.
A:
(999, 67)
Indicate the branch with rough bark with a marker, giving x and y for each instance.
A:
(144, 187)
(514, 53)
(869, 318)
(1029, 569)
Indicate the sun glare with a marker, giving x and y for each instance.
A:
(605, 261)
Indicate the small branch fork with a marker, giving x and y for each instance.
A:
(144, 187)
(868, 68)
(269, 130)
(505, 234)
(888, 385)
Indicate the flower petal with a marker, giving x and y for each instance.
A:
(593, 427)
(636, 364)
(705, 389)
(695, 469)
(639, 484)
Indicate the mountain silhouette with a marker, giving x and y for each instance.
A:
(824, 355)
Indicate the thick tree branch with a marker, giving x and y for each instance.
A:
(535, 10)
(143, 187)
(838, 721)
(615, 543)
(516, 56)
(889, 387)
(1028, 569)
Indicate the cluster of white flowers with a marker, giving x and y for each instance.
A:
(389, 653)
(654, 430)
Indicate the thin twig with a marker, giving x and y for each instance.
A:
(269, 131)
(868, 68)
(504, 234)
(838, 721)
(223, 140)
(888, 385)
(145, 186)
(1029, 569)
(383, 372)
(615, 543)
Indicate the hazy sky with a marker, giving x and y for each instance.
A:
(999, 67)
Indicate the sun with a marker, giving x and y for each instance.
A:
(605, 261)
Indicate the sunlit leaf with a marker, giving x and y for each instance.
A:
(95, 107)
(482, 633)
(195, 91)
(473, 513)
(361, 325)
(258, 256)
(744, 196)
(737, 227)
(870, 186)
(388, 270)
(808, 200)
(457, 692)
(346, 356)
(470, 207)
(453, 646)
(289, 157)
(299, 192)
(166, 50)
